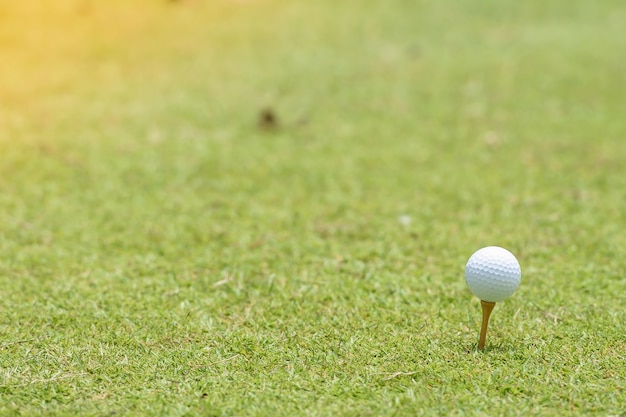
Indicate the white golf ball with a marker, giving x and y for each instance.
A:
(492, 273)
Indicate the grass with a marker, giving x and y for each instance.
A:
(160, 254)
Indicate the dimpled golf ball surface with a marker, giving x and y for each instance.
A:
(492, 273)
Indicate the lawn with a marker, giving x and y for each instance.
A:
(264, 207)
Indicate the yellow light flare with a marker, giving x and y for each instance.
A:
(54, 48)
(44, 44)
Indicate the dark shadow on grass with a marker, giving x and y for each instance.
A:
(267, 119)
(499, 348)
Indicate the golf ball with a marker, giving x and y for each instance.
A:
(492, 273)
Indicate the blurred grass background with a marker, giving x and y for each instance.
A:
(163, 253)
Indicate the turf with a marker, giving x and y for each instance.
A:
(165, 249)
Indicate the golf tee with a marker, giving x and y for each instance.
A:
(487, 307)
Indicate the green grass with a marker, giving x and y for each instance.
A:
(162, 255)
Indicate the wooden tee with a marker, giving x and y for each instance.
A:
(487, 308)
